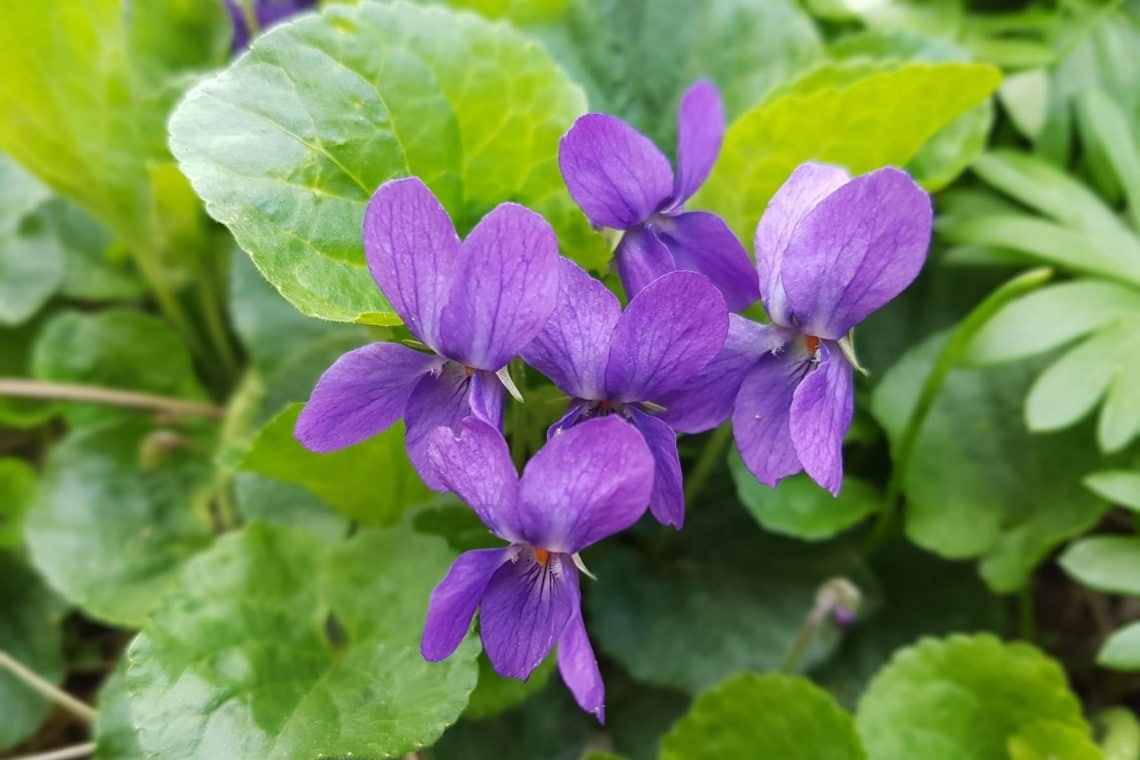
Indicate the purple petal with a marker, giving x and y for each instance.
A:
(706, 400)
(702, 242)
(668, 333)
(761, 418)
(801, 192)
(413, 253)
(700, 130)
(439, 400)
(573, 347)
(525, 609)
(506, 291)
(821, 414)
(488, 398)
(361, 395)
(454, 601)
(615, 173)
(567, 420)
(858, 249)
(667, 502)
(579, 667)
(586, 483)
(641, 257)
(476, 464)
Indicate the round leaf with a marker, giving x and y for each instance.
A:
(753, 715)
(17, 489)
(278, 645)
(963, 697)
(288, 144)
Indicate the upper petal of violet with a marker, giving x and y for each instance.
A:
(476, 464)
(820, 416)
(413, 254)
(801, 192)
(668, 333)
(361, 395)
(586, 483)
(506, 290)
(573, 348)
(855, 251)
(700, 131)
(702, 242)
(615, 173)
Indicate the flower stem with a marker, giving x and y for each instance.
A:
(710, 457)
(42, 389)
(47, 689)
(74, 752)
(833, 594)
(950, 356)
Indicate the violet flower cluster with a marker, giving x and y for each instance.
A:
(830, 249)
(263, 14)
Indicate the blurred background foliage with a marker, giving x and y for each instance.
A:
(177, 270)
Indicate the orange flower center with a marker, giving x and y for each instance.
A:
(542, 556)
(812, 343)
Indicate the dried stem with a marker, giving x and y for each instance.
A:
(67, 753)
(94, 394)
(49, 690)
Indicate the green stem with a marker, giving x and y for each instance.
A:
(950, 356)
(709, 459)
(42, 389)
(216, 327)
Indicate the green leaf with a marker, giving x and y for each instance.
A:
(753, 715)
(1118, 486)
(964, 696)
(95, 269)
(109, 536)
(637, 57)
(86, 92)
(20, 195)
(31, 270)
(548, 725)
(1105, 127)
(1048, 740)
(30, 634)
(17, 490)
(119, 349)
(287, 145)
(261, 499)
(1106, 563)
(1073, 385)
(979, 484)
(347, 480)
(278, 645)
(115, 734)
(882, 119)
(1050, 318)
(1121, 650)
(15, 361)
(1120, 733)
(731, 597)
(494, 693)
(798, 507)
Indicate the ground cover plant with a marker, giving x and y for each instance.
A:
(570, 379)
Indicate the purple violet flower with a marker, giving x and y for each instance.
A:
(582, 486)
(622, 181)
(830, 250)
(473, 303)
(265, 12)
(615, 363)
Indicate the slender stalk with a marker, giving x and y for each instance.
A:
(834, 594)
(67, 753)
(47, 689)
(950, 356)
(43, 389)
(710, 457)
(216, 327)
